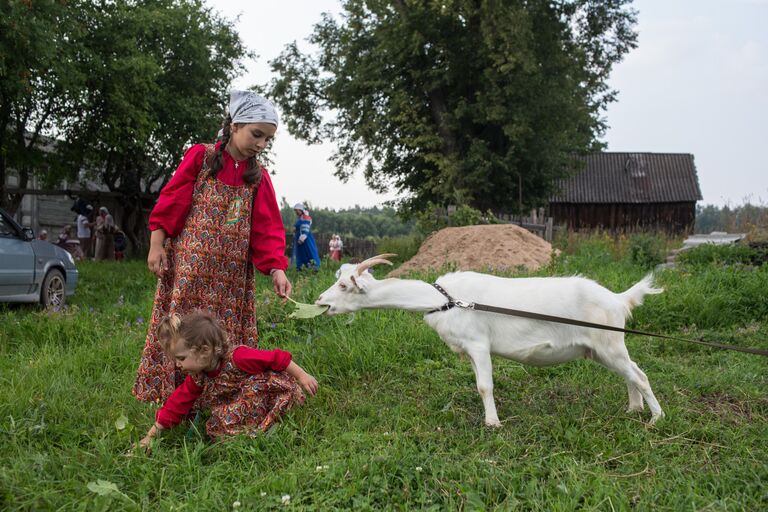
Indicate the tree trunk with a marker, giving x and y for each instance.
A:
(135, 225)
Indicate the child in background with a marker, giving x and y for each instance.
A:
(335, 246)
(246, 389)
(121, 243)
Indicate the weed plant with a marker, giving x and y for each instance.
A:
(397, 424)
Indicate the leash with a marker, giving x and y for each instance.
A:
(580, 323)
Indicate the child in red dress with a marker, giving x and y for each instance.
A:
(246, 389)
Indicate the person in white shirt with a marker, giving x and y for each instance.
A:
(84, 229)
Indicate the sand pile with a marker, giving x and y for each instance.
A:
(480, 248)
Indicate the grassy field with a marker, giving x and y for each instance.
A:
(397, 423)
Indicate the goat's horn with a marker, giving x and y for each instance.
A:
(380, 256)
(375, 260)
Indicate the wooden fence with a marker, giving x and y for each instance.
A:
(544, 226)
(536, 222)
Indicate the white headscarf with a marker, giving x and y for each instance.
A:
(302, 207)
(249, 107)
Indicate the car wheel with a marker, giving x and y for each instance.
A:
(52, 292)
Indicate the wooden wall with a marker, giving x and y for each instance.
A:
(672, 218)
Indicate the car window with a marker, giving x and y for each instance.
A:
(6, 229)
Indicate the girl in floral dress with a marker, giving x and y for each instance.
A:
(246, 389)
(214, 222)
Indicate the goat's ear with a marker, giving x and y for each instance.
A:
(359, 285)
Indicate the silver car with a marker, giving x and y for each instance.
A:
(33, 270)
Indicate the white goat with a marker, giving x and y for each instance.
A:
(480, 334)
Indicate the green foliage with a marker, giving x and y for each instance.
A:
(127, 85)
(40, 82)
(397, 423)
(458, 102)
(157, 76)
(405, 247)
(465, 216)
(434, 218)
(359, 222)
(712, 254)
(646, 250)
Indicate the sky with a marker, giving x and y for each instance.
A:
(697, 83)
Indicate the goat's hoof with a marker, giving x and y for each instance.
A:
(493, 423)
(635, 408)
(655, 418)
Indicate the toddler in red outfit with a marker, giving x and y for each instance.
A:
(246, 389)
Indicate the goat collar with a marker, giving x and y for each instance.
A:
(451, 301)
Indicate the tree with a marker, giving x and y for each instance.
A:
(157, 74)
(355, 222)
(475, 102)
(39, 85)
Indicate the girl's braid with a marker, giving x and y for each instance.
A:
(217, 158)
(252, 173)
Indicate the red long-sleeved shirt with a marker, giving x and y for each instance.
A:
(267, 240)
(247, 359)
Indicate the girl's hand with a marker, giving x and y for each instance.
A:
(157, 261)
(308, 383)
(281, 284)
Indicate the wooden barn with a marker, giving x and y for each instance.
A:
(630, 192)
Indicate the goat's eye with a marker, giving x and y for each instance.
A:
(342, 286)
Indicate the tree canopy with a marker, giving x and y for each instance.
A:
(157, 75)
(122, 87)
(358, 222)
(40, 83)
(475, 102)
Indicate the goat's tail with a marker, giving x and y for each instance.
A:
(634, 296)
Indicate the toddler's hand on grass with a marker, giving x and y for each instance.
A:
(146, 443)
(308, 383)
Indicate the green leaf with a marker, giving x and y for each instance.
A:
(121, 422)
(306, 310)
(103, 487)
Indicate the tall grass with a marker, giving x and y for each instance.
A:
(397, 423)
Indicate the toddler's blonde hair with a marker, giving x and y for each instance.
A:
(197, 329)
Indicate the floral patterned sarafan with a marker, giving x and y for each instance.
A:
(208, 269)
(244, 403)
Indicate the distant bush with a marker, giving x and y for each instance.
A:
(434, 218)
(405, 247)
(707, 254)
(645, 250)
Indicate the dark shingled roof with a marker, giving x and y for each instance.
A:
(632, 178)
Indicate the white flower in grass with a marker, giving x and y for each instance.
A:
(321, 468)
(262, 494)
(419, 469)
(286, 499)
(236, 504)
